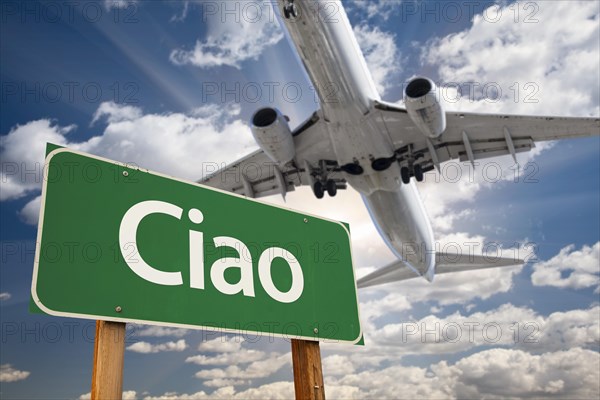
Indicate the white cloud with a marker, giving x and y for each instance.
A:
(368, 9)
(505, 326)
(4, 296)
(116, 112)
(158, 331)
(22, 154)
(270, 391)
(243, 356)
(233, 39)
(540, 57)
(493, 374)
(222, 344)
(30, 214)
(337, 365)
(224, 383)
(381, 54)
(9, 374)
(500, 373)
(183, 14)
(255, 370)
(146, 348)
(109, 4)
(571, 268)
(168, 143)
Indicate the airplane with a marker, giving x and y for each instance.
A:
(378, 148)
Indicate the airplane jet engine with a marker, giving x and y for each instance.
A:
(273, 135)
(424, 107)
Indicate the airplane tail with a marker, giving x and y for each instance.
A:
(445, 263)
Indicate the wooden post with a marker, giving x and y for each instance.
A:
(308, 371)
(109, 349)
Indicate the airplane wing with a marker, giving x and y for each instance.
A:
(472, 136)
(445, 263)
(256, 175)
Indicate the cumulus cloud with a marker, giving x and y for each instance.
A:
(255, 370)
(168, 143)
(116, 112)
(22, 154)
(337, 365)
(494, 374)
(570, 268)
(270, 391)
(381, 54)
(233, 40)
(31, 212)
(500, 373)
(505, 326)
(146, 348)
(244, 356)
(498, 50)
(9, 374)
(222, 344)
(4, 296)
(158, 331)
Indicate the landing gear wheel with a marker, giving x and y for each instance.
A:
(405, 175)
(318, 190)
(331, 188)
(418, 173)
(290, 11)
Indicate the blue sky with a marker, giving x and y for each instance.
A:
(144, 82)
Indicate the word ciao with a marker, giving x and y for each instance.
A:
(128, 237)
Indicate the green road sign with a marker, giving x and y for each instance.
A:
(125, 244)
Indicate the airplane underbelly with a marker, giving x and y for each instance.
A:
(402, 222)
(359, 141)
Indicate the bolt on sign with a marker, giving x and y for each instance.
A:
(119, 243)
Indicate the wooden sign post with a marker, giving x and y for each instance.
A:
(308, 371)
(109, 350)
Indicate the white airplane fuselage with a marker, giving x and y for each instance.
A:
(325, 41)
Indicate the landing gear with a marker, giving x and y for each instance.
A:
(405, 175)
(318, 190)
(325, 178)
(418, 170)
(290, 10)
(331, 188)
